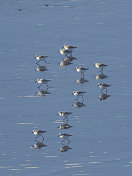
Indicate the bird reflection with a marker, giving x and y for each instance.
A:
(64, 148)
(42, 92)
(79, 104)
(41, 69)
(81, 80)
(103, 96)
(101, 76)
(70, 58)
(65, 63)
(38, 145)
(64, 126)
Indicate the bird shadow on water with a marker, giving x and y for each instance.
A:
(42, 93)
(81, 80)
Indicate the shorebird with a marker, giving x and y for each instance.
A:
(42, 81)
(100, 66)
(41, 69)
(103, 96)
(103, 86)
(64, 135)
(69, 47)
(65, 52)
(40, 58)
(81, 70)
(64, 126)
(78, 93)
(64, 114)
(38, 133)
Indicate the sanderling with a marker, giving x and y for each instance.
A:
(38, 133)
(38, 145)
(69, 47)
(100, 66)
(103, 96)
(65, 148)
(81, 70)
(81, 81)
(70, 58)
(103, 86)
(43, 93)
(41, 69)
(64, 135)
(42, 81)
(78, 93)
(65, 52)
(40, 58)
(64, 126)
(65, 63)
(78, 105)
(64, 114)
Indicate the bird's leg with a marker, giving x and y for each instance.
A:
(45, 61)
(62, 142)
(42, 138)
(77, 98)
(47, 85)
(106, 90)
(83, 74)
(39, 86)
(68, 141)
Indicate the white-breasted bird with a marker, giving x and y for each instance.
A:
(40, 58)
(38, 133)
(81, 70)
(65, 52)
(43, 81)
(103, 86)
(78, 93)
(69, 47)
(63, 114)
(100, 66)
(64, 135)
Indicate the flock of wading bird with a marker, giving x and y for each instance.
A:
(67, 51)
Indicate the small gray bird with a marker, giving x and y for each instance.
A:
(100, 66)
(103, 86)
(78, 94)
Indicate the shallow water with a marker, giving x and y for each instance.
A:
(101, 130)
